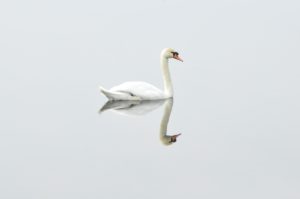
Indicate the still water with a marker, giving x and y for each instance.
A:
(235, 107)
(65, 141)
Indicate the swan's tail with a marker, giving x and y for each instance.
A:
(115, 95)
(107, 93)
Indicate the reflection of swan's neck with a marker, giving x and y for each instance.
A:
(164, 122)
(168, 88)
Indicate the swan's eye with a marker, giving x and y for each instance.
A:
(175, 53)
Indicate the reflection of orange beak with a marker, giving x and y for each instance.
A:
(174, 137)
(177, 57)
(179, 133)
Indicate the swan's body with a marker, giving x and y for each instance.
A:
(144, 91)
(134, 90)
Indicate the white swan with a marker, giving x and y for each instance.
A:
(143, 90)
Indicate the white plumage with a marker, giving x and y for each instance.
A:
(136, 90)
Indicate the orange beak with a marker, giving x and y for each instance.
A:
(177, 57)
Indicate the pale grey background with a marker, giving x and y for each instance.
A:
(236, 99)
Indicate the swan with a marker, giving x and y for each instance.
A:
(136, 90)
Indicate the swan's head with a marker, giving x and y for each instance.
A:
(170, 53)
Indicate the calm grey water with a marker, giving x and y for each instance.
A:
(236, 99)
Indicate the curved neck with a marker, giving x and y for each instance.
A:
(168, 88)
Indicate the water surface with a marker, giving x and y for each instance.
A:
(236, 100)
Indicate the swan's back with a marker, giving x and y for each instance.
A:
(143, 90)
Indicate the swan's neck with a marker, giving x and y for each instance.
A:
(168, 88)
(165, 139)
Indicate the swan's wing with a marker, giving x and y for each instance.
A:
(143, 90)
(118, 95)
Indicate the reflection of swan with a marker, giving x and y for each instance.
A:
(167, 139)
(143, 90)
(132, 107)
(143, 107)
